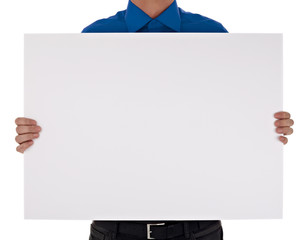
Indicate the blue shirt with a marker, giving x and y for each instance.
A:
(173, 19)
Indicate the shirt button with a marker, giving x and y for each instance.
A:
(150, 23)
(153, 24)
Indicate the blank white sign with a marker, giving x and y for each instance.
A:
(153, 126)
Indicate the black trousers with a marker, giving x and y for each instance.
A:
(192, 230)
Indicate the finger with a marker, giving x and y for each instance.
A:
(283, 139)
(282, 115)
(284, 123)
(22, 147)
(25, 121)
(26, 137)
(285, 130)
(27, 129)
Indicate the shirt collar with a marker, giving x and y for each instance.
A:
(136, 18)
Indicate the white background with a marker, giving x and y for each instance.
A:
(61, 16)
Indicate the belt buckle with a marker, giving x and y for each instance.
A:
(149, 229)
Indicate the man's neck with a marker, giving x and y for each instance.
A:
(153, 8)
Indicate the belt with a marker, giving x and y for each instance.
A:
(156, 230)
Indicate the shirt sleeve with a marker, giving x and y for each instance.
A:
(224, 29)
(211, 25)
(84, 30)
(221, 28)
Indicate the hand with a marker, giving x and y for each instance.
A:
(283, 125)
(27, 130)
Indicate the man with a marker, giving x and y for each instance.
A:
(151, 16)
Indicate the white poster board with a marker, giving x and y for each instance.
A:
(153, 126)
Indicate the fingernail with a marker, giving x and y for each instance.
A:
(279, 130)
(35, 135)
